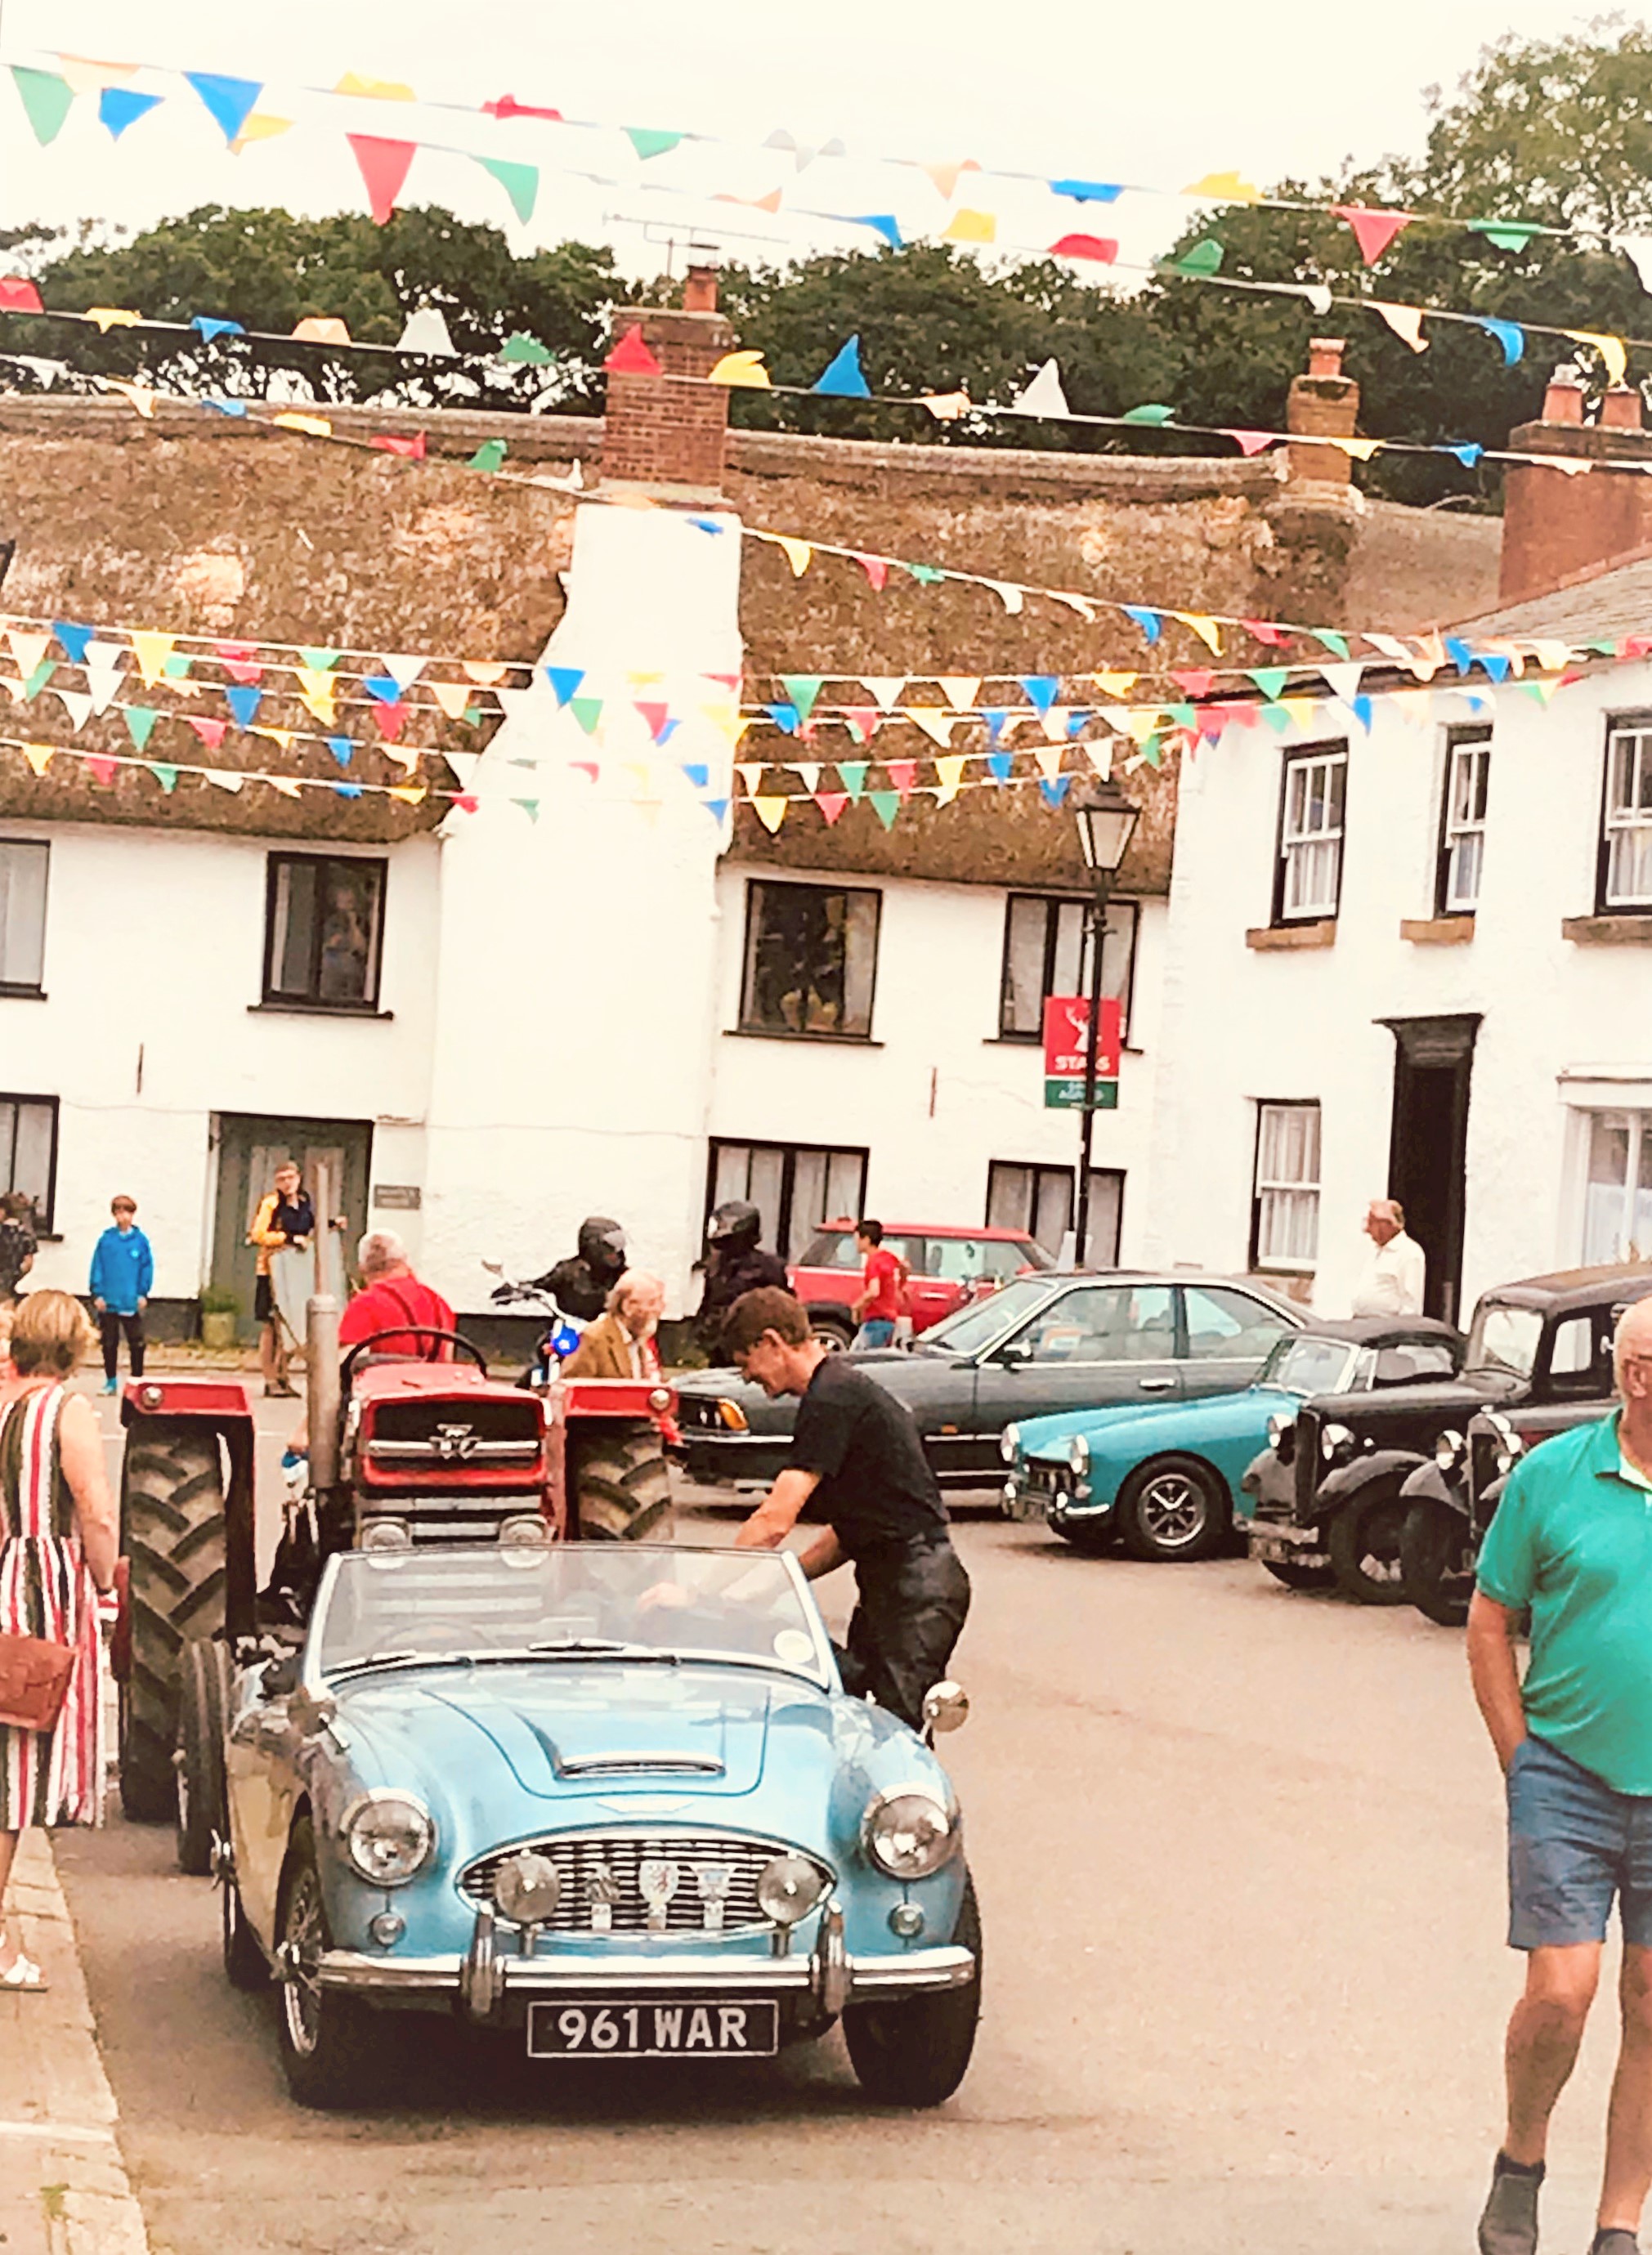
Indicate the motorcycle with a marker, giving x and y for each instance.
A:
(556, 1343)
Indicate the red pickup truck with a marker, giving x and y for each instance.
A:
(951, 1267)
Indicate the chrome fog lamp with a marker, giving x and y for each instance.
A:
(945, 1706)
(526, 1888)
(1448, 1451)
(387, 1535)
(1078, 1454)
(1333, 1440)
(909, 1835)
(789, 1888)
(388, 1837)
(525, 1530)
(1009, 1443)
(1278, 1427)
(659, 1398)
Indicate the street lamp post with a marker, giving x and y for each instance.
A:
(1107, 823)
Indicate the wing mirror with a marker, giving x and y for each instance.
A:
(495, 1267)
(1014, 1354)
(945, 1708)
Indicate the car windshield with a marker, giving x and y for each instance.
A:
(1504, 1338)
(971, 1329)
(1309, 1365)
(384, 1609)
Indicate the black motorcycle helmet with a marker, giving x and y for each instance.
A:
(735, 1227)
(601, 1245)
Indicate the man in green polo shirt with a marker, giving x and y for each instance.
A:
(1573, 1541)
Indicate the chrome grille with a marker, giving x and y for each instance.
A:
(592, 1864)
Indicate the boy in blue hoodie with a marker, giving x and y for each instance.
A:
(123, 1272)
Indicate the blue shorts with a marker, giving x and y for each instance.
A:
(876, 1331)
(1574, 1844)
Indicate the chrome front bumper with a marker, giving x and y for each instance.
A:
(1282, 1539)
(486, 1977)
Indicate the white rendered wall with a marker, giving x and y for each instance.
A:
(154, 945)
(1561, 1022)
(935, 1096)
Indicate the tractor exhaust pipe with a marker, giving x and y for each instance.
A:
(322, 1354)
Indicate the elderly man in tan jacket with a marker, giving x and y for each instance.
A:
(620, 1344)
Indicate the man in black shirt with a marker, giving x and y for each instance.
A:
(856, 1456)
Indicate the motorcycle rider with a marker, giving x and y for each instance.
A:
(735, 1263)
(580, 1286)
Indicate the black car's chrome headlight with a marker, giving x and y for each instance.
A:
(389, 1838)
(909, 1835)
(1335, 1440)
(1448, 1451)
(1282, 1435)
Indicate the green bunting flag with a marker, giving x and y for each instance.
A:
(488, 456)
(587, 710)
(649, 143)
(140, 723)
(47, 99)
(520, 183)
(887, 805)
(165, 774)
(521, 347)
(852, 774)
(801, 689)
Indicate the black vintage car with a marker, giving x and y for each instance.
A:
(1450, 1502)
(1041, 1345)
(1334, 1490)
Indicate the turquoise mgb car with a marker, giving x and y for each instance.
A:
(608, 1797)
(1164, 1478)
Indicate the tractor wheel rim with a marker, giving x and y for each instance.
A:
(1173, 1511)
(301, 1992)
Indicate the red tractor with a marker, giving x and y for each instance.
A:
(402, 1453)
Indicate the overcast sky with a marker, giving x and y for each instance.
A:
(1059, 87)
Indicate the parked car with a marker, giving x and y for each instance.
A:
(1448, 1501)
(1161, 1478)
(1329, 1489)
(609, 1796)
(951, 1268)
(1040, 1345)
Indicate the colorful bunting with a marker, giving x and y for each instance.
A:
(631, 356)
(1373, 230)
(47, 100)
(118, 107)
(229, 101)
(843, 377)
(383, 167)
(520, 183)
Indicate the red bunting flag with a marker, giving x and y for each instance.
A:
(831, 804)
(631, 356)
(464, 801)
(508, 106)
(18, 296)
(901, 773)
(1264, 630)
(1251, 442)
(862, 721)
(1102, 248)
(383, 170)
(1373, 230)
(1196, 681)
(102, 771)
(655, 717)
(240, 660)
(1242, 713)
(211, 733)
(412, 449)
(391, 719)
(586, 767)
(876, 570)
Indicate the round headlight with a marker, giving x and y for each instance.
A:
(1448, 1451)
(1079, 1453)
(387, 1535)
(526, 1889)
(1278, 1427)
(1009, 1443)
(789, 1888)
(389, 1838)
(1333, 1440)
(909, 1835)
(525, 1530)
(659, 1397)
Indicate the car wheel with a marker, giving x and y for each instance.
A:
(245, 1965)
(1298, 1576)
(836, 1337)
(916, 2053)
(203, 1703)
(1365, 1547)
(1437, 1559)
(1174, 1508)
(325, 2038)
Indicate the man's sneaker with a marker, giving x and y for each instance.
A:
(1508, 2221)
(1618, 2241)
(111, 1385)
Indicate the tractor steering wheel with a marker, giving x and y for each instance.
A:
(347, 1368)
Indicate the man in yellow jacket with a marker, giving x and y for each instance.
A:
(284, 1216)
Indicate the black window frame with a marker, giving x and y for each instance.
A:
(1479, 732)
(788, 1177)
(1054, 903)
(1634, 722)
(276, 998)
(1029, 1229)
(754, 1027)
(44, 1221)
(30, 989)
(1294, 755)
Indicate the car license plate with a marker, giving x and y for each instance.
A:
(608, 2027)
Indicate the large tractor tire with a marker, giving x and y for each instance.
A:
(622, 1484)
(172, 1531)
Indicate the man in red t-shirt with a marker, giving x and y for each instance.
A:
(390, 1295)
(879, 1306)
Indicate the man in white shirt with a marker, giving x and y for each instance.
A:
(1396, 1268)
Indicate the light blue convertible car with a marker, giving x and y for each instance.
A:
(1161, 1478)
(609, 1796)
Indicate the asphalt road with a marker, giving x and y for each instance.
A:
(1240, 1858)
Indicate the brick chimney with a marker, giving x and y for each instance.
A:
(1556, 526)
(1324, 403)
(669, 436)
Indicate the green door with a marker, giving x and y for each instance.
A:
(250, 1147)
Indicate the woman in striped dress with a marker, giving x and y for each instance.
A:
(58, 1535)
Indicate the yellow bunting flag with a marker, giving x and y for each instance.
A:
(408, 793)
(946, 406)
(1611, 349)
(313, 427)
(37, 755)
(321, 329)
(745, 369)
(949, 766)
(375, 89)
(971, 227)
(1362, 449)
(1140, 722)
(1226, 187)
(151, 651)
(259, 127)
(452, 696)
(799, 554)
(286, 785)
(1208, 630)
(1116, 685)
(1301, 710)
(770, 811)
(137, 394)
(284, 738)
(1406, 321)
(112, 316)
(1552, 657)
(317, 690)
(936, 724)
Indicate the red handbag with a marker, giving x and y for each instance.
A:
(34, 1682)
